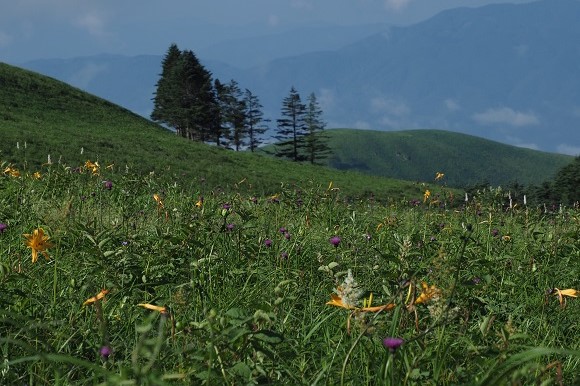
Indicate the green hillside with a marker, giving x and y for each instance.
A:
(47, 117)
(416, 155)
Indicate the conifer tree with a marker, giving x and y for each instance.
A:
(254, 120)
(316, 145)
(185, 97)
(166, 101)
(291, 128)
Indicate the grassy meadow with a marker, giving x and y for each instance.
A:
(133, 257)
(467, 160)
(143, 280)
(42, 117)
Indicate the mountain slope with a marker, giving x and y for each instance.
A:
(40, 116)
(418, 154)
(504, 72)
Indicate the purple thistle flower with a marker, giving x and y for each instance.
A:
(105, 352)
(3, 227)
(392, 344)
(283, 230)
(495, 232)
(268, 243)
(335, 240)
(226, 206)
(108, 185)
(284, 255)
(287, 236)
(230, 227)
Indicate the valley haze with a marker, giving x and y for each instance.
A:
(500, 70)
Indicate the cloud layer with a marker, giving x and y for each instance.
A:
(506, 115)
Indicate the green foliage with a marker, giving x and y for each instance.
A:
(240, 310)
(316, 146)
(216, 268)
(567, 183)
(291, 128)
(46, 117)
(416, 155)
(185, 99)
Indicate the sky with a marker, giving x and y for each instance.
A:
(41, 29)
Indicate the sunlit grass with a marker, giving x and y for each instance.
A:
(155, 280)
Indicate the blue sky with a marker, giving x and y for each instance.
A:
(36, 29)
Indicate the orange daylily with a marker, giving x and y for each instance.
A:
(12, 171)
(336, 300)
(162, 310)
(439, 176)
(38, 242)
(426, 195)
(570, 292)
(158, 201)
(93, 166)
(428, 293)
(97, 297)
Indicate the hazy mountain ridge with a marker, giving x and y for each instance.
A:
(505, 72)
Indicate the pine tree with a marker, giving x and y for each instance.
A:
(198, 104)
(291, 128)
(316, 145)
(254, 120)
(185, 97)
(166, 100)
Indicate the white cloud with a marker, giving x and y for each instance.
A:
(568, 149)
(326, 99)
(362, 125)
(389, 106)
(93, 23)
(505, 115)
(451, 104)
(388, 122)
(396, 4)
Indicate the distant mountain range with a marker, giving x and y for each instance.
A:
(505, 72)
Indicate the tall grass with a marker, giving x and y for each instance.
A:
(235, 285)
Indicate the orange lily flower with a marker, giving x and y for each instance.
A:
(567, 292)
(38, 242)
(337, 301)
(428, 293)
(162, 310)
(158, 201)
(93, 166)
(96, 298)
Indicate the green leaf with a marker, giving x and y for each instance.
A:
(269, 336)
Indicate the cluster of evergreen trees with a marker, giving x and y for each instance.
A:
(197, 107)
(202, 109)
